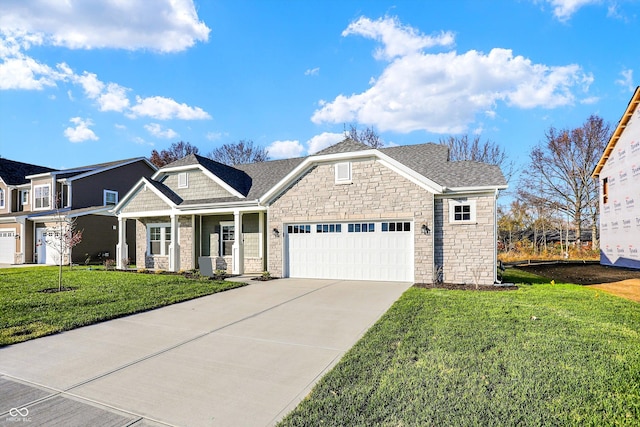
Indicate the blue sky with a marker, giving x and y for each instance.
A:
(87, 81)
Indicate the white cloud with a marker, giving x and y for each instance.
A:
(312, 71)
(627, 79)
(285, 149)
(161, 108)
(81, 132)
(397, 40)
(114, 98)
(443, 92)
(23, 72)
(215, 136)
(156, 130)
(563, 10)
(322, 141)
(161, 25)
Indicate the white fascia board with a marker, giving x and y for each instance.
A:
(142, 183)
(41, 175)
(146, 214)
(104, 210)
(224, 209)
(411, 175)
(277, 189)
(480, 189)
(205, 171)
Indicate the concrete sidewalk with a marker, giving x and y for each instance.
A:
(241, 357)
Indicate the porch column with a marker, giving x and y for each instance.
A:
(23, 242)
(238, 244)
(174, 246)
(261, 235)
(122, 250)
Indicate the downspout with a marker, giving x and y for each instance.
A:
(495, 237)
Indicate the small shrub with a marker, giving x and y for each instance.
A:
(159, 271)
(266, 275)
(109, 264)
(142, 270)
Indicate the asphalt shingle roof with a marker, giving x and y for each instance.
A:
(253, 180)
(13, 173)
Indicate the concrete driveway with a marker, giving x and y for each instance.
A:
(242, 357)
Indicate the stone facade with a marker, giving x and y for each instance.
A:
(375, 193)
(464, 252)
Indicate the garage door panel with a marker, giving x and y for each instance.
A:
(7, 247)
(375, 255)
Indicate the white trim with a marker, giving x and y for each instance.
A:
(453, 203)
(104, 197)
(166, 171)
(384, 159)
(221, 240)
(2, 198)
(183, 179)
(163, 238)
(343, 173)
(33, 198)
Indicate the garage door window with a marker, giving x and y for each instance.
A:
(365, 227)
(396, 226)
(299, 229)
(329, 228)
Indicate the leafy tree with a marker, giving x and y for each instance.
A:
(367, 136)
(464, 148)
(177, 151)
(239, 153)
(562, 165)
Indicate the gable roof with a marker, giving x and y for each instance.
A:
(345, 146)
(83, 171)
(622, 124)
(15, 173)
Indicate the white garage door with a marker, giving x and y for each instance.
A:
(7, 247)
(352, 251)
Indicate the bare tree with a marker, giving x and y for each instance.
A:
(563, 164)
(239, 153)
(464, 148)
(367, 136)
(177, 151)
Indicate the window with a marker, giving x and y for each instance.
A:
(227, 238)
(329, 228)
(364, 227)
(159, 239)
(1, 198)
(299, 229)
(343, 173)
(41, 196)
(461, 211)
(24, 197)
(396, 226)
(605, 190)
(183, 180)
(110, 197)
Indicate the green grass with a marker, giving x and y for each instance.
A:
(26, 312)
(544, 355)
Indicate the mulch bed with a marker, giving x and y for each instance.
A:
(466, 287)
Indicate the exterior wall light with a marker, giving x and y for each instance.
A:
(275, 232)
(425, 229)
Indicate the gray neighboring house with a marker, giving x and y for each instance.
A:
(347, 212)
(34, 200)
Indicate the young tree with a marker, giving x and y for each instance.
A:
(563, 164)
(239, 153)
(61, 238)
(176, 151)
(367, 136)
(464, 148)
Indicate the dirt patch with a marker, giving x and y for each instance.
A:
(588, 273)
(622, 282)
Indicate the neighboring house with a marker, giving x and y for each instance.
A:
(618, 172)
(348, 212)
(35, 200)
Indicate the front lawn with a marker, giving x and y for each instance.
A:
(26, 312)
(542, 355)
